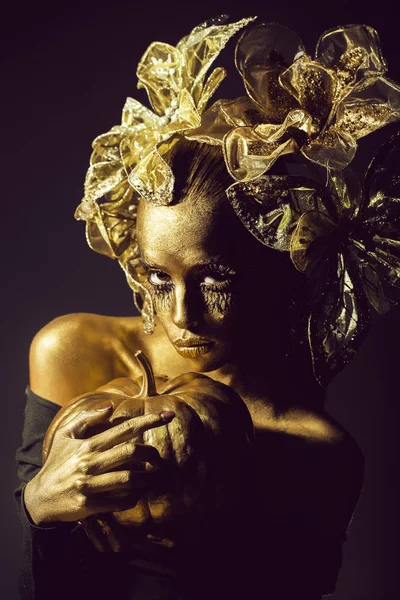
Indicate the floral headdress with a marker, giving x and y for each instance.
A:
(345, 236)
(126, 162)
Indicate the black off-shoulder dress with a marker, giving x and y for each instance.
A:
(270, 560)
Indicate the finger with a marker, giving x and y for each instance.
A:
(77, 426)
(113, 531)
(95, 533)
(117, 481)
(128, 429)
(105, 503)
(125, 453)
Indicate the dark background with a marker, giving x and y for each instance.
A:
(65, 73)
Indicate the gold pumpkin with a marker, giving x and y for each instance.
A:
(202, 448)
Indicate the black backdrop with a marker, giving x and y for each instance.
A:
(66, 71)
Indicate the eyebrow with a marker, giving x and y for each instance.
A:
(214, 261)
(145, 265)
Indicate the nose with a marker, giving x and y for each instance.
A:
(185, 312)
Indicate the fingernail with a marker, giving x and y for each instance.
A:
(167, 415)
(104, 408)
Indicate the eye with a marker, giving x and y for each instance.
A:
(158, 278)
(216, 282)
(212, 280)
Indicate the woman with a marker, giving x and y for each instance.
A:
(222, 304)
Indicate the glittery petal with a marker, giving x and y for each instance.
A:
(135, 146)
(333, 149)
(242, 112)
(160, 73)
(343, 47)
(310, 228)
(111, 230)
(271, 206)
(153, 179)
(106, 146)
(214, 125)
(346, 193)
(222, 116)
(134, 113)
(248, 156)
(103, 177)
(210, 86)
(97, 241)
(340, 316)
(251, 151)
(313, 86)
(186, 116)
(297, 124)
(372, 273)
(382, 182)
(201, 47)
(262, 54)
(355, 54)
(371, 106)
(377, 244)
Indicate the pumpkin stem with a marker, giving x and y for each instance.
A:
(149, 383)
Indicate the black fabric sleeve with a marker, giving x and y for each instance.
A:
(38, 543)
(57, 560)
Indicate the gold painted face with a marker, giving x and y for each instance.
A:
(199, 264)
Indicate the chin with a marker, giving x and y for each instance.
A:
(206, 364)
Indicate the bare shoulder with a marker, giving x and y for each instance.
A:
(343, 444)
(322, 430)
(349, 457)
(76, 353)
(340, 464)
(330, 465)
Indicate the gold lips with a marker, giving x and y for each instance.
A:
(193, 351)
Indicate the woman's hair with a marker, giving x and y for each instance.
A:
(199, 171)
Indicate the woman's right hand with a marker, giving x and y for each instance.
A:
(79, 478)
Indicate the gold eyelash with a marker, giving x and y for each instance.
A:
(215, 297)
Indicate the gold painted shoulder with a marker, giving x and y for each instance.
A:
(74, 354)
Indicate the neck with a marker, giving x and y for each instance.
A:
(266, 383)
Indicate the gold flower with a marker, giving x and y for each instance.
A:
(319, 106)
(345, 238)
